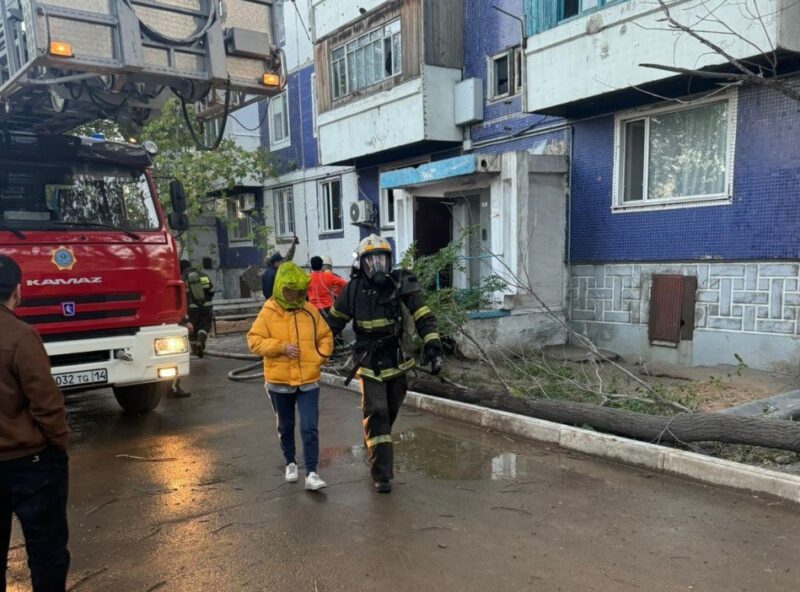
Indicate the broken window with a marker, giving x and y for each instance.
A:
(505, 73)
(367, 60)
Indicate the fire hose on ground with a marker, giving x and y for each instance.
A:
(241, 374)
(246, 372)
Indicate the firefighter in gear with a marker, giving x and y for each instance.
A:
(200, 296)
(376, 300)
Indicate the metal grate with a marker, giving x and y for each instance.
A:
(90, 357)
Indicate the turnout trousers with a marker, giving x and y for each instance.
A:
(201, 318)
(380, 403)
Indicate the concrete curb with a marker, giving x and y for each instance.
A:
(659, 459)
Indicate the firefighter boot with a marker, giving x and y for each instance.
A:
(383, 487)
(202, 337)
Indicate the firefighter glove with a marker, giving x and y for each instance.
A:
(434, 354)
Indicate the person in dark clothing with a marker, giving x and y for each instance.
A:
(34, 474)
(374, 300)
(273, 263)
(200, 297)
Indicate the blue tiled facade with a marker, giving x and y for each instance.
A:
(302, 153)
(487, 32)
(762, 223)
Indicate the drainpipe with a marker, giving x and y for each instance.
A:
(567, 302)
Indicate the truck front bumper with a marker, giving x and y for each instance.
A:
(121, 360)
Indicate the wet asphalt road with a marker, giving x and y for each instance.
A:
(208, 510)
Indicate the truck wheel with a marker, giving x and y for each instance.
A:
(139, 399)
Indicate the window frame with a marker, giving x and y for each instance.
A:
(234, 236)
(286, 141)
(211, 130)
(384, 205)
(388, 224)
(582, 11)
(618, 205)
(512, 54)
(326, 209)
(286, 208)
(341, 67)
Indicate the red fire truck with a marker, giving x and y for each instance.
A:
(82, 216)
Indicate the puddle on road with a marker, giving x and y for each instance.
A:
(441, 455)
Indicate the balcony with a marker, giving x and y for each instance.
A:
(608, 43)
(385, 79)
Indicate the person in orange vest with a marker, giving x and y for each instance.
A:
(325, 286)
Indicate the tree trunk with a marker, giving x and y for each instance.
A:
(683, 428)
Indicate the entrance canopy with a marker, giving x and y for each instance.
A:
(440, 170)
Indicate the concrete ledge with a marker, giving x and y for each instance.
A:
(660, 459)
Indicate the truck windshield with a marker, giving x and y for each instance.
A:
(45, 197)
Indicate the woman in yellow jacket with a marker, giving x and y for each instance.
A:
(294, 341)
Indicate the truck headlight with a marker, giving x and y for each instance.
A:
(167, 346)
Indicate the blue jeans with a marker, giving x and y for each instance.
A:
(308, 405)
(35, 489)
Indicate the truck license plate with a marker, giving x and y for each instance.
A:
(84, 378)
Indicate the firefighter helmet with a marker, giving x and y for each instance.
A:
(375, 256)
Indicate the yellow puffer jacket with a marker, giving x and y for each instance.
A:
(277, 326)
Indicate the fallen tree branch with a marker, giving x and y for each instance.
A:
(678, 429)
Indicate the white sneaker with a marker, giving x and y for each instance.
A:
(291, 473)
(314, 482)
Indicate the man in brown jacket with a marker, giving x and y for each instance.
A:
(33, 440)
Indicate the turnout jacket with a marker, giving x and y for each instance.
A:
(199, 289)
(377, 318)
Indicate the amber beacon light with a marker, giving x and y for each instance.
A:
(272, 80)
(61, 49)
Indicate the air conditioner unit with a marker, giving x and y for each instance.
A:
(247, 203)
(362, 213)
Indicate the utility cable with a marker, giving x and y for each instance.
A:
(302, 21)
(260, 123)
(195, 136)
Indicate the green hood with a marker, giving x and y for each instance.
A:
(292, 277)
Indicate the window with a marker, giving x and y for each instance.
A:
(211, 131)
(542, 15)
(236, 212)
(505, 73)
(331, 202)
(675, 155)
(284, 212)
(367, 60)
(279, 121)
(387, 208)
(49, 196)
(571, 8)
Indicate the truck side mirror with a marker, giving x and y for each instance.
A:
(177, 195)
(179, 221)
